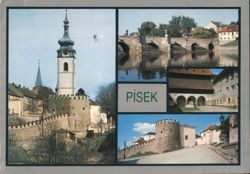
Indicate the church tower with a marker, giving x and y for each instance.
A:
(65, 63)
(38, 77)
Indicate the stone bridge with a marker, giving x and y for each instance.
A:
(164, 43)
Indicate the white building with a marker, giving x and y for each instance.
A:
(228, 33)
(214, 25)
(149, 136)
(226, 88)
(210, 135)
(187, 136)
(66, 63)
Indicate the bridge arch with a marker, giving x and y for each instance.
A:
(154, 45)
(194, 46)
(124, 46)
(210, 46)
(175, 46)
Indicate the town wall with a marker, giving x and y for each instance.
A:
(149, 146)
(167, 138)
(167, 135)
(76, 106)
(31, 130)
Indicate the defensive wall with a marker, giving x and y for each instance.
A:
(167, 138)
(75, 105)
(33, 129)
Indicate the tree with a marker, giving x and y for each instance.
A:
(174, 27)
(180, 25)
(234, 23)
(80, 92)
(161, 30)
(147, 28)
(106, 97)
(201, 33)
(187, 24)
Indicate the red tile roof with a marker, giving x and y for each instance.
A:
(229, 28)
(182, 83)
(212, 127)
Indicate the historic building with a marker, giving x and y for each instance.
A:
(23, 102)
(66, 63)
(190, 87)
(86, 114)
(74, 113)
(214, 25)
(210, 135)
(213, 134)
(226, 88)
(169, 136)
(228, 33)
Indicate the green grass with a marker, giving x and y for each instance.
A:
(230, 44)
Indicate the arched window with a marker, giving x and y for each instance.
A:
(65, 66)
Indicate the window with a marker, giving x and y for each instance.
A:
(186, 137)
(227, 88)
(83, 108)
(228, 100)
(65, 66)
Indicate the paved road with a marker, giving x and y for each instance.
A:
(216, 109)
(198, 154)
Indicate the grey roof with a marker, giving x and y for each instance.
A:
(12, 90)
(20, 91)
(38, 77)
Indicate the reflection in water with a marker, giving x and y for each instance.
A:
(151, 66)
(204, 59)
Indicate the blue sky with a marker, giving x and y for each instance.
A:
(216, 71)
(34, 35)
(131, 19)
(132, 126)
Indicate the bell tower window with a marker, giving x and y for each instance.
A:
(65, 66)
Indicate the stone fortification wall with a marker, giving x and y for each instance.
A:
(76, 106)
(167, 134)
(148, 146)
(167, 138)
(33, 129)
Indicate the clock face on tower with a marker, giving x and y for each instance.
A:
(65, 52)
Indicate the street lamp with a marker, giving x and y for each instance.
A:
(222, 119)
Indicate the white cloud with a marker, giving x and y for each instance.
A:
(144, 128)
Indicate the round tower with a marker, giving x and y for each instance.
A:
(66, 63)
(167, 135)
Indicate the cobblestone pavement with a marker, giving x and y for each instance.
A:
(196, 155)
(216, 109)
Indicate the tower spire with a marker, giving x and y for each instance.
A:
(66, 43)
(38, 76)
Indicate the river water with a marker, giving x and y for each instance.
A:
(150, 67)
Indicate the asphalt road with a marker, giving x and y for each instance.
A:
(196, 155)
